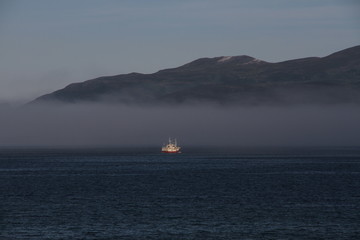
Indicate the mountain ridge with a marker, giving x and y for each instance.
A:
(228, 80)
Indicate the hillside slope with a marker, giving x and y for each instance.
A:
(228, 80)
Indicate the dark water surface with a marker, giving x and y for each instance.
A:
(129, 194)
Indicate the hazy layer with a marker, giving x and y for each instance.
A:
(119, 125)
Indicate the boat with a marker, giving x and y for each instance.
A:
(171, 147)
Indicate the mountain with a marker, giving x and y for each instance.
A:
(229, 80)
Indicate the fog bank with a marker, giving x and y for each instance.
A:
(198, 125)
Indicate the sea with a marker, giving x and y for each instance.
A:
(205, 193)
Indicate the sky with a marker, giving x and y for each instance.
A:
(48, 44)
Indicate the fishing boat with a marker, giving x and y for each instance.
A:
(171, 147)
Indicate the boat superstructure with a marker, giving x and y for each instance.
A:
(171, 147)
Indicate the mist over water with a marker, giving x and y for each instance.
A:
(193, 125)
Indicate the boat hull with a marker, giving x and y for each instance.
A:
(178, 151)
